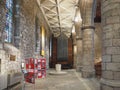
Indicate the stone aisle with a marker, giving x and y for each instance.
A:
(71, 81)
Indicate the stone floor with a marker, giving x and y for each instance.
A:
(71, 81)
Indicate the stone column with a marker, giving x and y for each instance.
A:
(75, 55)
(88, 52)
(87, 9)
(74, 49)
(79, 53)
(78, 43)
(111, 45)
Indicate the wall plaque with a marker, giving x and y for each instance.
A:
(12, 57)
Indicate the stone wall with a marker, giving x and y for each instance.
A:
(27, 28)
(47, 50)
(111, 45)
(3, 71)
(2, 20)
(29, 11)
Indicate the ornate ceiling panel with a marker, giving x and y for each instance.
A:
(59, 15)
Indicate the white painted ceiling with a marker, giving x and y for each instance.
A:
(59, 15)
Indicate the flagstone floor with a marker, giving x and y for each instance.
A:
(70, 81)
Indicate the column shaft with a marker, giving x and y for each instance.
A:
(79, 54)
(88, 53)
(87, 13)
(111, 45)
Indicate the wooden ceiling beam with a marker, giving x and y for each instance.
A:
(48, 9)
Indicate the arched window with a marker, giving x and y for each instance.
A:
(9, 20)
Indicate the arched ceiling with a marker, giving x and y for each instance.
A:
(59, 15)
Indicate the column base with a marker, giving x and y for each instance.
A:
(87, 74)
(110, 84)
(106, 87)
(78, 68)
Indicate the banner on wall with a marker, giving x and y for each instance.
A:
(36, 68)
(30, 76)
(41, 68)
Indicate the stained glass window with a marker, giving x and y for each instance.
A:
(9, 20)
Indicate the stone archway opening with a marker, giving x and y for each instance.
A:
(98, 50)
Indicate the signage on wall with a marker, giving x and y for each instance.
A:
(29, 76)
(41, 68)
(36, 68)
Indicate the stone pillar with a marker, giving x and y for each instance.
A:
(111, 45)
(78, 45)
(79, 53)
(87, 9)
(74, 49)
(88, 70)
(75, 55)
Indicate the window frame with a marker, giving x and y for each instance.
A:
(9, 21)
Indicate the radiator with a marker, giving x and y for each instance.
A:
(3, 82)
(14, 78)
